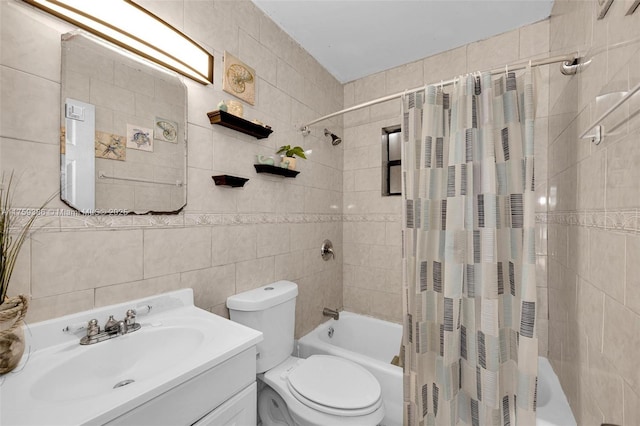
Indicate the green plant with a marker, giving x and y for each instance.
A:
(13, 233)
(290, 152)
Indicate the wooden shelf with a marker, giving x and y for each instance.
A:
(274, 170)
(239, 124)
(227, 180)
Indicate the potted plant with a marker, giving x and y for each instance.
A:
(14, 231)
(289, 153)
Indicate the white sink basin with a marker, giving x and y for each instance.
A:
(63, 382)
(97, 368)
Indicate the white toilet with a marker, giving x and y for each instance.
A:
(320, 390)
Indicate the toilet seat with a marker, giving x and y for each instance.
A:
(308, 412)
(335, 386)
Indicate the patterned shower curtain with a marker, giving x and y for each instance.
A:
(469, 289)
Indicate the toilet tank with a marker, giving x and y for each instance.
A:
(272, 310)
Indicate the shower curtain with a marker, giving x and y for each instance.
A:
(469, 288)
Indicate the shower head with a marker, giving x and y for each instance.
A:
(335, 140)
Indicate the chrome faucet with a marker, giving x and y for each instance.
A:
(112, 328)
(331, 313)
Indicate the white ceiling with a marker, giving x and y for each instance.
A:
(356, 38)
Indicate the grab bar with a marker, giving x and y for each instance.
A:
(598, 135)
(102, 175)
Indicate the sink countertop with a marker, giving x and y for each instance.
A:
(46, 388)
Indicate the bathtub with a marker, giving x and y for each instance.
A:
(553, 407)
(381, 343)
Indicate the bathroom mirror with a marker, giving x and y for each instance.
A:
(123, 131)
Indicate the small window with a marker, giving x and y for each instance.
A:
(391, 161)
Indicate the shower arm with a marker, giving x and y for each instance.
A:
(567, 61)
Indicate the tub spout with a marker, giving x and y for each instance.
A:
(331, 313)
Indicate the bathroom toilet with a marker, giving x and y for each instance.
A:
(320, 390)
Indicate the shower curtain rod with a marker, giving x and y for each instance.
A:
(568, 60)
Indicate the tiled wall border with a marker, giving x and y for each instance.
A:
(624, 220)
(53, 220)
(371, 218)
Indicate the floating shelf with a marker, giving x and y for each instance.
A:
(227, 180)
(239, 124)
(274, 170)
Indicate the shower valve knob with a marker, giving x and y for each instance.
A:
(326, 251)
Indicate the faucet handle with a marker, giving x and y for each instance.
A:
(130, 317)
(93, 328)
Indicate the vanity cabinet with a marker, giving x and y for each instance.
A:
(184, 366)
(239, 410)
(225, 394)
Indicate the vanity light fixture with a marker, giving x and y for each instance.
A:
(129, 25)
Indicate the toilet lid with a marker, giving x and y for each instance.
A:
(324, 381)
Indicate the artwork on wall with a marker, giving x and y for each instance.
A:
(165, 130)
(603, 7)
(239, 79)
(139, 138)
(110, 146)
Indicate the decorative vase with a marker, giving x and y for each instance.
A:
(265, 160)
(12, 313)
(292, 162)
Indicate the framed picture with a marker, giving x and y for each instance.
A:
(110, 146)
(603, 7)
(633, 7)
(139, 138)
(165, 130)
(239, 79)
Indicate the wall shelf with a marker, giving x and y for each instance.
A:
(227, 180)
(274, 170)
(239, 124)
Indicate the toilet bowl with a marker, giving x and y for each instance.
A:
(320, 390)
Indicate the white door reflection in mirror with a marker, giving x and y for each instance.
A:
(78, 166)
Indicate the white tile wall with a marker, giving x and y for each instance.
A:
(64, 262)
(32, 106)
(168, 251)
(593, 227)
(233, 239)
